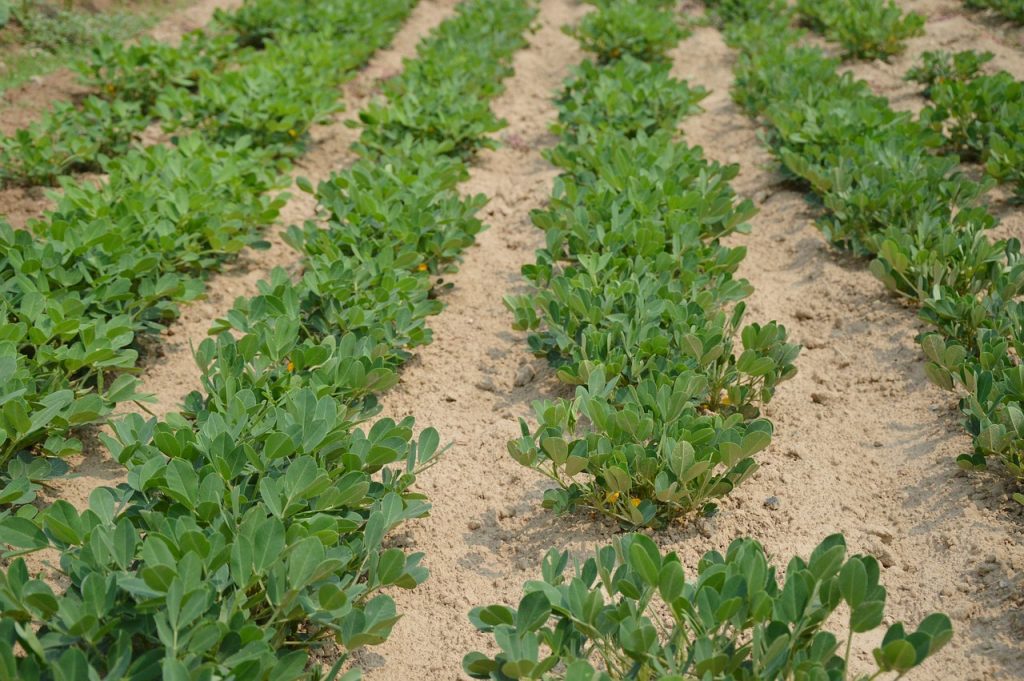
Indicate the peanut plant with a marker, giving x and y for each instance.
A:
(629, 612)
(637, 304)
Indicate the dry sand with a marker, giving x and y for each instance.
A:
(486, 533)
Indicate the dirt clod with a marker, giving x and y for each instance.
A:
(524, 375)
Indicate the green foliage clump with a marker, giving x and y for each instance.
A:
(980, 115)
(866, 29)
(629, 612)
(638, 307)
(642, 29)
(428, 102)
(1010, 9)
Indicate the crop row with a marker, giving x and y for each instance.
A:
(889, 192)
(251, 527)
(1011, 9)
(113, 260)
(866, 29)
(873, 29)
(637, 304)
(980, 115)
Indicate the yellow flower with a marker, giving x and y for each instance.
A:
(111, 89)
(422, 267)
(611, 497)
(293, 133)
(725, 401)
(291, 366)
(634, 501)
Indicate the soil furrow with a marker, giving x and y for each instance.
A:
(172, 374)
(864, 444)
(487, 532)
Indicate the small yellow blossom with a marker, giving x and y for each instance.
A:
(111, 89)
(293, 133)
(725, 401)
(634, 501)
(611, 497)
(422, 267)
(291, 366)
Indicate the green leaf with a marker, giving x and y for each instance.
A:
(534, 610)
(62, 521)
(866, 616)
(853, 582)
(21, 534)
(898, 656)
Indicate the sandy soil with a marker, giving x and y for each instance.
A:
(486, 533)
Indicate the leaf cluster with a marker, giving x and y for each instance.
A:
(866, 29)
(441, 98)
(220, 82)
(630, 612)
(107, 263)
(1010, 9)
(980, 115)
(642, 29)
(627, 96)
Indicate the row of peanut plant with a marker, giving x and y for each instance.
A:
(866, 29)
(890, 191)
(252, 525)
(981, 116)
(111, 262)
(1010, 9)
(638, 305)
(636, 301)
